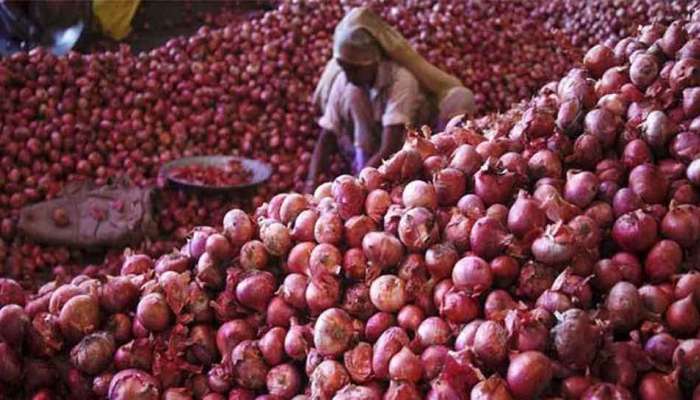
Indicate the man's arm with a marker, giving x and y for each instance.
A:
(319, 158)
(392, 141)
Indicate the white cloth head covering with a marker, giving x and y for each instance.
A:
(356, 47)
(444, 87)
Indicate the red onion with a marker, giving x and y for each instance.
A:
(683, 317)
(93, 353)
(624, 307)
(555, 246)
(417, 229)
(238, 227)
(389, 343)
(328, 377)
(643, 70)
(602, 391)
(304, 224)
(466, 159)
(322, 293)
(493, 388)
(354, 264)
(472, 274)
(231, 333)
(654, 298)
(133, 384)
(332, 332)
(79, 316)
(358, 362)
(382, 249)
(349, 196)
(493, 184)
(256, 290)
(432, 331)
(253, 255)
(456, 232)
(603, 124)
(402, 166)
(598, 59)
(472, 206)
(433, 359)
(525, 215)
(14, 324)
(663, 260)
(377, 324)
(298, 258)
(681, 224)
(655, 385)
(325, 259)
(490, 344)
(505, 270)
(440, 259)
(405, 366)
(529, 374)
(284, 381)
(635, 231)
(356, 228)
(377, 203)
(488, 238)
(685, 358)
(279, 312)
(388, 293)
(248, 365)
(420, 194)
(661, 347)
(297, 341)
(329, 228)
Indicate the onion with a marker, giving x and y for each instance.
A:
(402, 166)
(133, 384)
(606, 391)
(417, 229)
(635, 231)
(685, 358)
(256, 290)
(661, 347)
(297, 342)
(529, 374)
(663, 260)
(544, 163)
(304, 224)
(525, 215)
(466, 159)
(644, 70)
(377, 203)
(14, 324)
(581, 188)
(433, 331)
(555, 246)
(681, 225)
(284, 381)
(10, 364)
(298, 258)
(377, 324)
(322, 293)
(491, 389)
(654, 298)
(405, 366)
(657, 129)
(534, 279)
(655, 385)
(231, 333)
(472, 274)
(358, 362)
(575, 339)
(349, 196)
(488, 238)
(602, 124)
(450, 184)
(93, 353)
(433, 358)
(440, 259)
(490, 344)
(388, 293)
(253, 255)
(624, 307)
(683, 317)
(332, 332)
(420, 194)
(493, 184)
(329, 228)
(371, 178)
(325, 259)
(382, 249)
(598, 59)
(356, 228)
(457, 230)
(238, 227)
(79, 317)
(248, 365)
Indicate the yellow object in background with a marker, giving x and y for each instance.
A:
(114, 16)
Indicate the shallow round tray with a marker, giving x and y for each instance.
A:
(260, 171)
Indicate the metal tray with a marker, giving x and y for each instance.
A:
(260, 172)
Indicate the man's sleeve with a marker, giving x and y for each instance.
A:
(403, 99)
